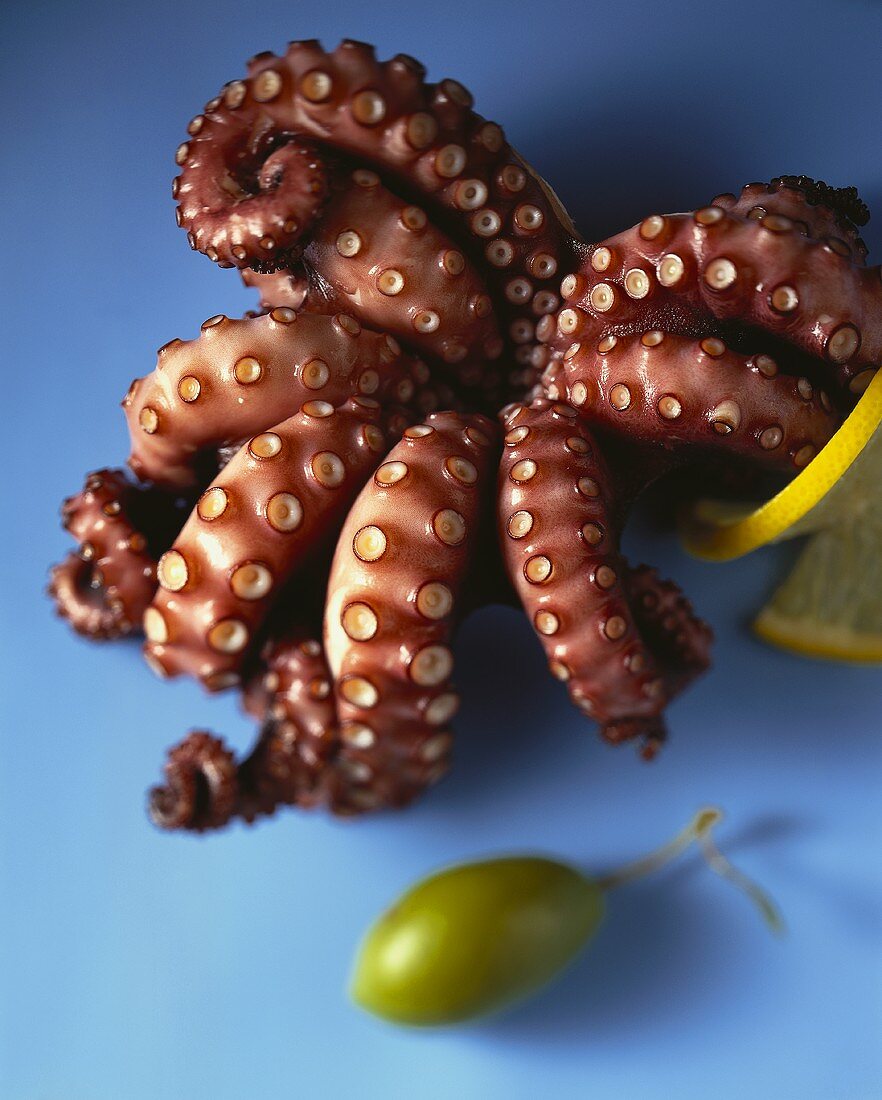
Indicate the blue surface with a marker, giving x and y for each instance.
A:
(138, 965)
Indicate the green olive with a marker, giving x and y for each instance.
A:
(475, 938)
(480, 936)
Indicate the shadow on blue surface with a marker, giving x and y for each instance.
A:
(658, 937)
(655, 934)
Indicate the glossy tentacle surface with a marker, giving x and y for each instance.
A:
(675, 391)
(829, 214)
(265, 513)
(241, 376)
(398, 572)
(687, 272)
(285, 287)
(560, 532)
(394, 267)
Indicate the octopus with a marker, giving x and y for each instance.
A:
(445, 398)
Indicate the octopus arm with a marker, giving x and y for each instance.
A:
(285, 287)
(676, 392)
(829, 214)
(292, 694)
(558, 526)
(104, 587)
(264, 166)
(368, 206)
(387, 261)
(680, 640)
(241, 375)
(201, 789)
(268, 511)
(685, 270)
(205, 786)
(398, 571)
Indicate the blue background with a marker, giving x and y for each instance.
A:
(134, 964)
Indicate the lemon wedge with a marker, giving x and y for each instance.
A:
(830, 606)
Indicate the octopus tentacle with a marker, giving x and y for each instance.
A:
(241, 375)
(829, 214)
(675, 272)
(201, 786)
(559, 529)
(387, 261)
(207, 788)
(675, 391)
(679, 639)
(368, 207)
(347, 107)
(267, 511)
(104, 588)
(293, 695)
(400, 564)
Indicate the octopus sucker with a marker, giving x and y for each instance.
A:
(444, 398)
(200, 790)
(714, 271)
(401, 272)
(331, 110)
(827, 214)
(680, 641)
(240, 375)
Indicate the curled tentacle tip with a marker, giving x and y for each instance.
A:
(200, 789)
(104, 586)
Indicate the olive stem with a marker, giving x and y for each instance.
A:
(720, 865)
(705, 819)
(698, 831)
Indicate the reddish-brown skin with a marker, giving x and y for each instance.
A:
(678, 392)
(104, 587)
(393, 594)
(291, 762)
(827, 214)
(263, 516)
(408, 263)
(557, 515)
(680, 641)
(241, 376)
(691, 273)
(344, 110)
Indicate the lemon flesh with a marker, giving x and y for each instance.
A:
(830, 606)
